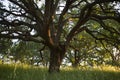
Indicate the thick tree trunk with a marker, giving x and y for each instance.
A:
(56, 57)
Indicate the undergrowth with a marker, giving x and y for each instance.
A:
(26, 72)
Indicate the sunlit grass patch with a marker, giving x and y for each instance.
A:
(26, 72)
(108, 68)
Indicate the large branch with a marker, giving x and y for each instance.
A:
(84, 16)
(61, 18)
(101, 17)
(25, 38)
(106, 38)
(15, 23)
(20, 5)
(16, 14)
(104, 1)
(33, 10)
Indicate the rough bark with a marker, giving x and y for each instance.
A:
(56, 57)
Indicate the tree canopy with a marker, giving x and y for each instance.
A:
(55, 23)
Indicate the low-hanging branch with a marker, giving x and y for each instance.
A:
(56, 26)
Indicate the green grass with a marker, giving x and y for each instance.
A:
(25, 72)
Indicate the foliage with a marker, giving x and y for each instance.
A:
(55, 24)
(29, 52)
(5, 44)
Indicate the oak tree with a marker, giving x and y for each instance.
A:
(44, 21)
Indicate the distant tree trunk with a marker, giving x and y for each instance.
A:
(56, 57)
(75, 63)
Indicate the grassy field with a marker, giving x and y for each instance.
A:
(25, 72)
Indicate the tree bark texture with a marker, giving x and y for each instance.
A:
(56, 57)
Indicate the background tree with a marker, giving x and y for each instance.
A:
(44, 22)
(86, 50)
(5, 45)
(29, 53)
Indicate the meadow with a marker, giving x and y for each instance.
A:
(26, 72)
